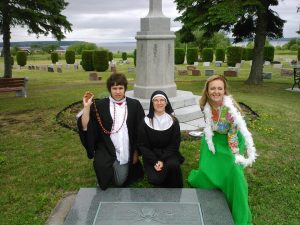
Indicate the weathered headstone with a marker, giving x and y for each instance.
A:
(151, 206)
(266, 75)
(189, 67)
(182, 72)
(131, 70)
(287, 72)
(230, 73)
(218, 63)
(93, 76)
(59, 69)
(196, 72)
(206, 63)
(209, 72)
(50, 69)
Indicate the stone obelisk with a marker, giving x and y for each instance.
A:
(155, 54)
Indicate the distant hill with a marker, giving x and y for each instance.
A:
(30, 43)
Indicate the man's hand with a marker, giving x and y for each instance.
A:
(87, 99)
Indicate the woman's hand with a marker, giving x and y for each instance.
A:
(159, 166)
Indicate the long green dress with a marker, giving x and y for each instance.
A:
(220, 171)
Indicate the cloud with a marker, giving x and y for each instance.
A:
(109, 21)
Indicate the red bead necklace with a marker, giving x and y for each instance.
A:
(114, 119)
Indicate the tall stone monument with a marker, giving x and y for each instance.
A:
(155, 54)
(155, 68)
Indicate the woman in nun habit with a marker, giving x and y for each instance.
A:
(158, 142)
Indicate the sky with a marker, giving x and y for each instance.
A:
(100, 21)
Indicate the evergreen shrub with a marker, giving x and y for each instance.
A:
(12, 61)
(179, 56)
(248, 54)
(234, 55)
(70, 57)
(110, 56)
(100, 60)
(21, 58)
(269, 53)
(207, 55)
(87, 60)
(192, 55)
(54, 57)
(220, 54)
(124, 56)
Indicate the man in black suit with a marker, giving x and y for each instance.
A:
(107, 130)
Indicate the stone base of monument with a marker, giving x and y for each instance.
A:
(152, 206)
(186, 107)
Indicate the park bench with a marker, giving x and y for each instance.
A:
(18, 85)
(296, 77)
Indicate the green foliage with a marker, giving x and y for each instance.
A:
(269, 53)
(70, 57)
(14, 50)
(49, 48)
(100, 60)
(110, 56)
(292, 42)
(12, 61)
(87, 60)
(40, 17)
(234, 55)
(186, 35)
(134, 57)
(78, 48)
(54, 57)
(248, 53)
(217, 40)
(124, 56)
(192, 55)
(220, 54)
(179, 56)
(21, 58)
(207, 55)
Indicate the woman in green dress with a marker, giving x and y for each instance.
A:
(226, 138)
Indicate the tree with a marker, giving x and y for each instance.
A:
(78, 48)
(39, 16)
(251, 19)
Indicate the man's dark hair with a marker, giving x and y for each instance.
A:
(116, 79)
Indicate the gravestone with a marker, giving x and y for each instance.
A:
(209, 72)
(191, 67)
(218, 63)
(59, 69)
(287, 72)
(50, 69)
(196, 72)
(206, 63)
(230, 73)
(266, 75)
(152, 206)
(182, 72)
(93, 76)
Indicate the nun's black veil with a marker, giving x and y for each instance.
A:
(169, 108)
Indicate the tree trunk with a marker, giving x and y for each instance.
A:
(255, 76)
(6, 40)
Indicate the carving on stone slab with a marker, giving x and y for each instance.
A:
(148, 214)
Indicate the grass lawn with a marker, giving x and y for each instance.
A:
(40, 161)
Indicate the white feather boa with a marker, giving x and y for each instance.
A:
(242, 127)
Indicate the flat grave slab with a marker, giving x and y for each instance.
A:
(151, 206)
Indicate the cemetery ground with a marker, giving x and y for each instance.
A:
(41, 161)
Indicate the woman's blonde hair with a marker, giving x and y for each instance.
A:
(205, 97)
